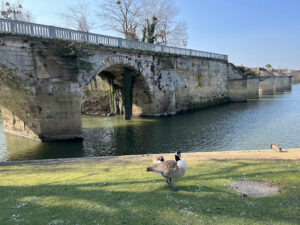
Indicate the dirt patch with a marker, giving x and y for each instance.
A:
(255, 189)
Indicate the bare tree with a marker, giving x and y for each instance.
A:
(154, 21)
(176, 34)
(15, 11)
(76, 16)
(168, 30)
(121, 16)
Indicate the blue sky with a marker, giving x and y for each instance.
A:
(250, 32)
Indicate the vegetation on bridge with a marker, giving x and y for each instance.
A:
(76, 53)
(247, 72)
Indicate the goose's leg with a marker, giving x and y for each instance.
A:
(168, 182)
(174, 188)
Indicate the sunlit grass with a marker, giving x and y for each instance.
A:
(124, 193)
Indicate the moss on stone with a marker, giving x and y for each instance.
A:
(75, 53)
(200, 80)
(246, 72)
(10, 77)
(167, 61)
(213, 102)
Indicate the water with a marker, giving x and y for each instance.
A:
(235, 126)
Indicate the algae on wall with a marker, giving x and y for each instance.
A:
(102, 96)
(75, 54)
(99, 96)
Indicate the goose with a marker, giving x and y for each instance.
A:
(170, 169)
(276, 147)
(157, 159)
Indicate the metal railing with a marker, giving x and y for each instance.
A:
(38, 30)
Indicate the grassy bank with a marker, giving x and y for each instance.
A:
(119, 191)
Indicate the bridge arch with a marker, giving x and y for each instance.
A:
(127, 79)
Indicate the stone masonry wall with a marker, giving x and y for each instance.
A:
(96, 99)
(236, 84)
(165, 85)
(41, 94)
(197, 83)
(295, 74)
(253, 88)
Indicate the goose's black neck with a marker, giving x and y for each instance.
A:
(177, 158)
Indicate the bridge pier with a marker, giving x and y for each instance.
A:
(288, 83)
(266, 85)
(236, 84)
(127, 93)
(60, 111)
(40, 96)
(52, 114)
(253, 88)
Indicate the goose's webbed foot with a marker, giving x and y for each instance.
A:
(174, 188)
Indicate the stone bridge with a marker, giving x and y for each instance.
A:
(43, 78)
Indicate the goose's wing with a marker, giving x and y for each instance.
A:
(169, 167)
(169, 164)
(276, 147)
(164, 167)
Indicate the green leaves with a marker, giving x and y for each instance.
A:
(76, 54)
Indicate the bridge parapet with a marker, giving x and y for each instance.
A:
(39, 30)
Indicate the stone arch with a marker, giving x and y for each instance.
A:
(115, 65)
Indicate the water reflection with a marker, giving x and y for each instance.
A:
(251, 125)
(19, 148)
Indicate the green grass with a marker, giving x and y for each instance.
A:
(121, 193)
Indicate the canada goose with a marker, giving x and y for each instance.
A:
(170, 169)
(157, 159)
(276, 147)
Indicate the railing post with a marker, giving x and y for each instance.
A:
(87, 37)
(30, 29)
(52, 33)
(13, 27)
(119, 42)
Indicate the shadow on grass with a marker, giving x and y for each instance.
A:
(88, 202)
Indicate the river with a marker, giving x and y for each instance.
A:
(235, 126)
